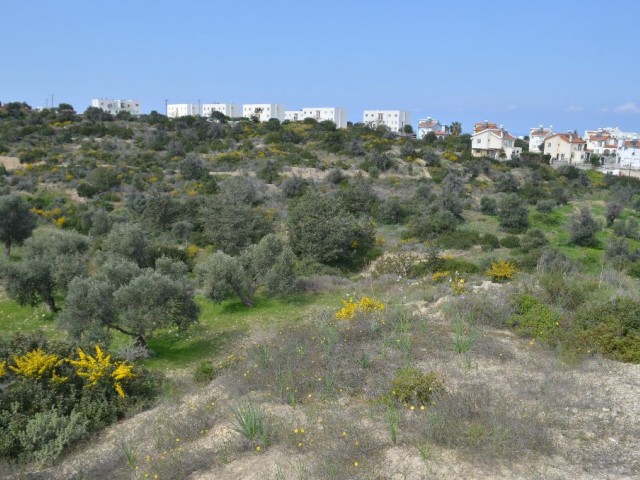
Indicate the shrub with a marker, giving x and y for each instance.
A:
(533, 239)
(204, 372)
(489, 242)
(46, 434)
(536, 319)
(501, 271)
(513, 214)
(510, 241)
(546, 206)
(410, 385)
(350, 308)
(611, 328)
(584, 228)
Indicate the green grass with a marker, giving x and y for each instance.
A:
(220, 323)
(17, 319)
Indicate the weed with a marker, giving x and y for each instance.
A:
(249, 421)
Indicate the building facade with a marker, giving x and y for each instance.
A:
(566, 147)
(232, 110)
(492, 140)
(628, 153)
(431, 125)
(537, 136)
(115, 106)
(264, 111)
(175, 110)
(601, 142)
(395, 120)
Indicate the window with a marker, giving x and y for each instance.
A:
(478, 140)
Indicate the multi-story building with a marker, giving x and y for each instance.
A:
(232, 110)
(293, 115)
(334, 114)
(264, 111)
(395, 120)
(115, 106)
(492, 140)
(431, 125)
(566, 147)
(601, 142)
(175, 110)
(537, 136)
(628, 153)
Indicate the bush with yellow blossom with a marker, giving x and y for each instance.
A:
(350, 307)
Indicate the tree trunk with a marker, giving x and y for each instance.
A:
(50, 304)
(140, 341)
(7, 249)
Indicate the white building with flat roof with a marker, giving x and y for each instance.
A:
(264, 111)
(395, 120)
(232, 110)
(115, 106)
(628, 153)
(175, 110)
(320, 114)
(293, 115)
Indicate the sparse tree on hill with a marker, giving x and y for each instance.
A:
(16, 222)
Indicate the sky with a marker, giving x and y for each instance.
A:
(572, 64)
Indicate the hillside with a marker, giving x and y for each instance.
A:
(299, 301)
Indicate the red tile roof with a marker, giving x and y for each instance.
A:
(568, 137)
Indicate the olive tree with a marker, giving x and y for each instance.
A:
(49, 264)
(16, 221)
(133, 301)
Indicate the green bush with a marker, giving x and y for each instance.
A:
(536, 319)
(410, 385)
(489, 242)
(204, 372)
(510, 241)
(611, 328)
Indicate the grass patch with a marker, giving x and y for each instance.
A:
(222, 322)
(18, 319)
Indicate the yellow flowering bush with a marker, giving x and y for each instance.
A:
(35, 364)
(350, 307)
(94, 368)
(501, 271)
(439, 276)
(457, 285)
(2, 368)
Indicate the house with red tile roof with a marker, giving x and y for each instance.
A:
(566, 147)
(601, 142)
(492, 140)
(537, 136)
(431, 125)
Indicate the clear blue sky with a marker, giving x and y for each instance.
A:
(573, 64)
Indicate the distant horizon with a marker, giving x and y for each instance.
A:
(514, 65)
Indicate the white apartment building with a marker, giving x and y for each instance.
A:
(395, 120)
(264, 111)
(115, 106)
(293, 115)
(492, 140)
(628, 154)
(566, 147)
(232, 110)
(175, 110)
(537, 136)
(431, 125)
(320, 114)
